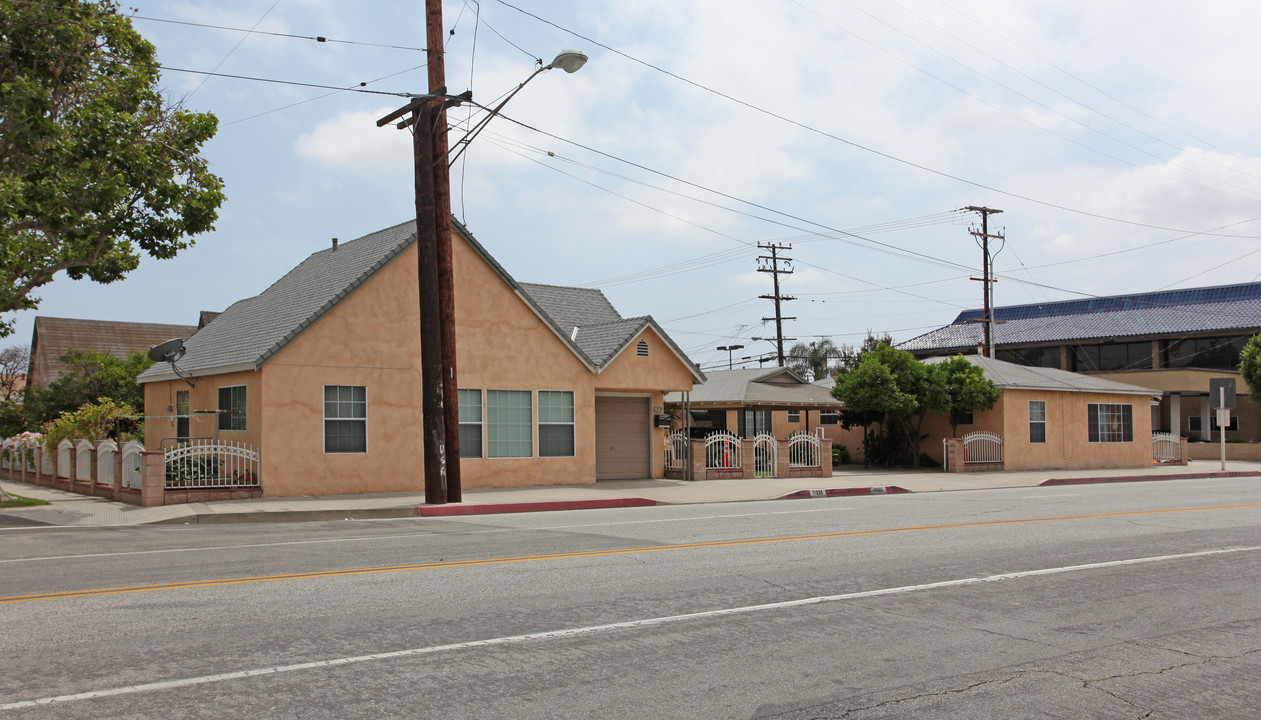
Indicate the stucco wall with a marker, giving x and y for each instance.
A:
(203, 395)
(371, 338)
(1067, 433)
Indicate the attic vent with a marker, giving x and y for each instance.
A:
(574, 335)
(642, 348)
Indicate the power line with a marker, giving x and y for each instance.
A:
(255, 31)
(823, 133)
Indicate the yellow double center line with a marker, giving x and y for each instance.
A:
(584, 554)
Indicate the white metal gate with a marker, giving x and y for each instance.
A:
(982, 447)
(803, 451)
(206, 464)
(722, 451)
(1166, 447)
(765, 455)
(676, 450)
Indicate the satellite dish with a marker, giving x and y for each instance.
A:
(169, 351)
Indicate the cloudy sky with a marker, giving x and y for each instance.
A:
(1118, 138)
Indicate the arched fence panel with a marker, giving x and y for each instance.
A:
(722, 451)
(982, 447)
(132, 473)
(83, 461)
(207, 464)
(676, 450)
(1166, 447)
(106, 451)
(64, 449)
(765, 455)
(803, 451)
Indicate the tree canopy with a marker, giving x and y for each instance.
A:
(815, 359)
(891, 387)
(97, 376)
(967, 389)
(1250, 366)
(96, 166)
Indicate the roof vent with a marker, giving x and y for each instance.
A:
(573, 336)
(334, 244)
(642, 348)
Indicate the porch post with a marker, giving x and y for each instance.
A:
(1175, 414)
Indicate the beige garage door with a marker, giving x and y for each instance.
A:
(621, 438)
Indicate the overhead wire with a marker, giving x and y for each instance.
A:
(851, 143)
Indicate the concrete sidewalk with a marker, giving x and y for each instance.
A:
(68, 509)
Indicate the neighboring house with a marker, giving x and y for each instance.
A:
(1054, 419)
(775, 400)
(1174, 341)
(53, 337)
(321, 373)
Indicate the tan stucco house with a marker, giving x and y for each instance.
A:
(321, 373)
(1054, 419)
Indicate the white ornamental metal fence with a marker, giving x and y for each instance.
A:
(676, 450)
(803, 451)
(765, 455)
(982, 447)
(722, 451)
(207, 464)
(1166, 447)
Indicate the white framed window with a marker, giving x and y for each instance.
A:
(794, 416)
(470, 410)
(1110, 422)
(509, 424)
(232, 407)
(829, 417)
(556, 423)
(345, 419)
(1037, 421)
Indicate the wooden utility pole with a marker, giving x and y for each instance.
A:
(986, 275)
(441, 180)
(771, 265)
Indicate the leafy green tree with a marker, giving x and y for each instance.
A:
(815, 359)
(95, 165)
(967, 389)
(92, 422)
(96, 375)
(891, 383)
(1250, 366)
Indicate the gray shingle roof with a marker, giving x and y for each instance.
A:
(1021, 377)
(1174, 313)
(759, 387)
(249, 332)
(572, 307)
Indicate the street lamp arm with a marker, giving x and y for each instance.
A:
(569, 60)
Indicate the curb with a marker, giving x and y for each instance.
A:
(498, 508)
(846, 492)
(1146, 478)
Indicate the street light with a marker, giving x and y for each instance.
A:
(729, 351)
(571, 61)
(439, 383)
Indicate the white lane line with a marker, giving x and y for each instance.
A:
(591, 629)
(409, 536)
(1039, 497)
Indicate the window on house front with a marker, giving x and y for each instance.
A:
(1113, 356)
(966, 418)
(556, 423)
(509, 424)
(232, 407)
(1232, 427)
(181, 414)
(470, 410)
(1037, 421)
(1110, 422)
(345, 419)
(794, 416)
(754, 422)
(829, 417)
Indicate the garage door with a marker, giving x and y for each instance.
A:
(621, 438)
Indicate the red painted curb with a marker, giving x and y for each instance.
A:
(1145, 478)
(498, 508)
(846, 492)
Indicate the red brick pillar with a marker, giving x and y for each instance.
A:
(698, 459)
(748, 458)
(94, 466)
(118, 470)
(1182, 451)
(152, 478)
(783, 464)
(825, 458)
(954, 455)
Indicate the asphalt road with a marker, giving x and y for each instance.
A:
(1135, 600)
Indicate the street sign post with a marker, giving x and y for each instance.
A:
(1221, 397)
